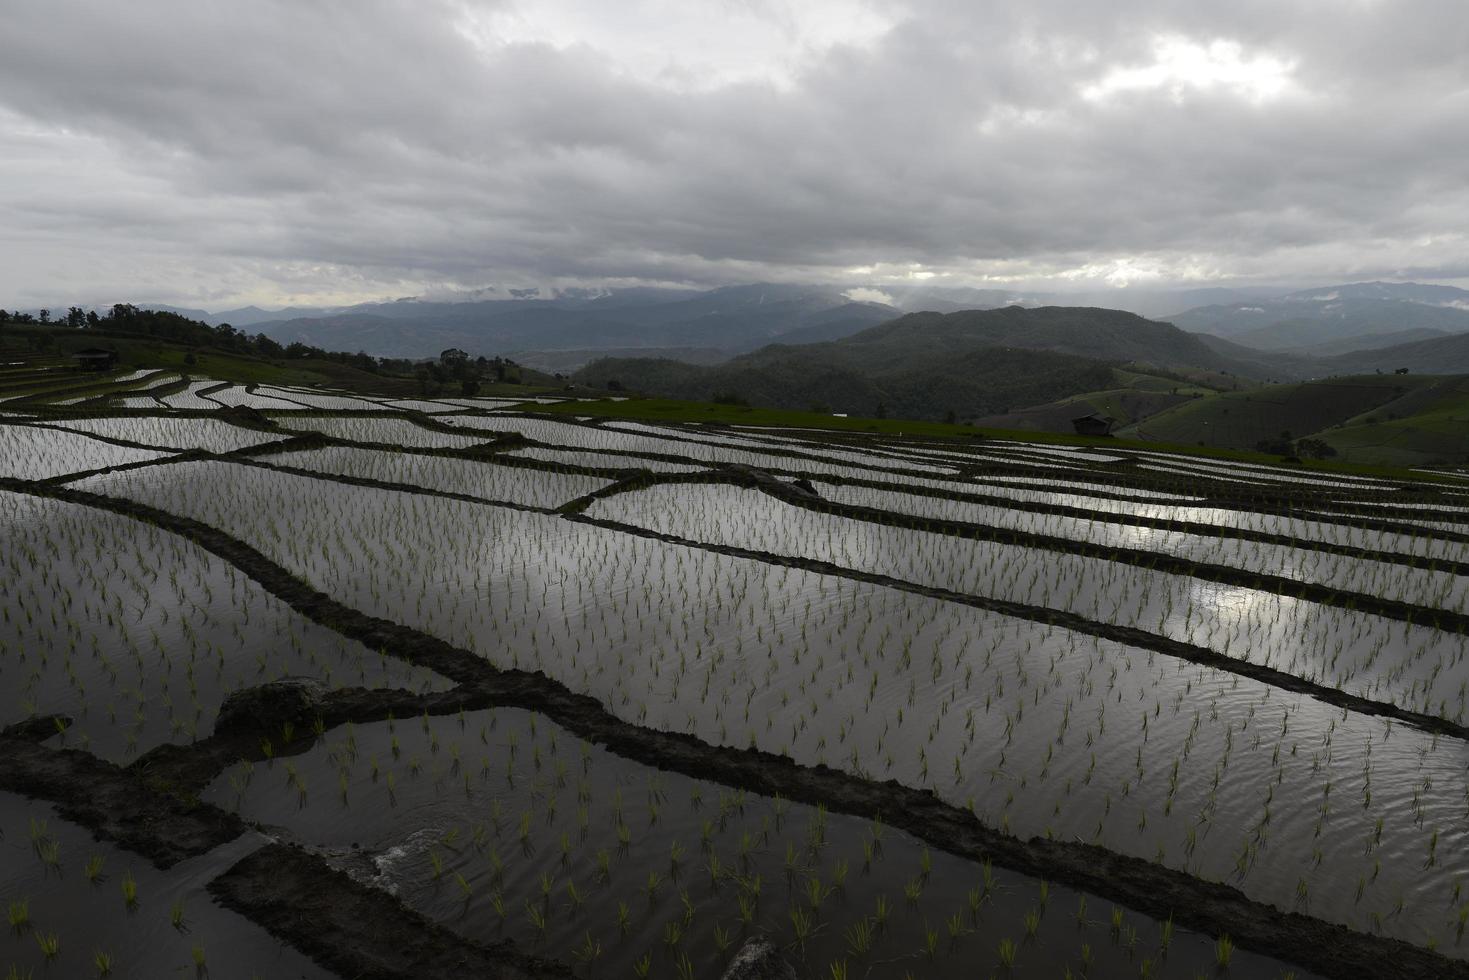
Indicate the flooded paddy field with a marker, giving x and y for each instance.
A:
(603, 698)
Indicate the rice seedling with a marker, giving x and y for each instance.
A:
(50, 945)
(18, 913)
(1006, 952)
(93, 868)
(1223, 952)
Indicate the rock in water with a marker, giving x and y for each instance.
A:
(269, 706)
(759, 960)
(245, 415)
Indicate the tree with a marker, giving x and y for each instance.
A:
(1283, 445)
(45, 316)
(75, 317)
(1315, 449)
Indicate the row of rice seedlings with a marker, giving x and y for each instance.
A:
(1420, 524)
(476, 405)
(33, 453)
(502, 826)
(144, 395)
(882, 683)
(85, 388)
(378, 430)
(1426, 587)
(603, 460)
(178, 433)
(477, 478)
(703, 441)
(139, 635)
(1413, 666)
(1307, 494)
(234, 396)
(423, 405)
(53, 381)
(192, 397)
(1304, 525)
(339, 401)
(568, 435)
(1236, 467)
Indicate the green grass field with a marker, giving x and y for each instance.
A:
(1393, 420)
(1439, 429)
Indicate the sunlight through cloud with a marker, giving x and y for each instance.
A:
(679, 46)
(1181, 65)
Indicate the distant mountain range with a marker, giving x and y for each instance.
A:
(247, 316)
(1256, 332)
(905, 298)
(567, 329)
(1335, 319)
(1439, 355)
(729, 320)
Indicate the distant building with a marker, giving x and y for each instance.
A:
(95, 358)
(1093, 425)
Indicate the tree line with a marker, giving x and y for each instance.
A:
(453, 366)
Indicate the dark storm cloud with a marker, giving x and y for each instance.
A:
(272, 149)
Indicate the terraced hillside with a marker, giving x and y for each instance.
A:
(1401, 420)
(307, 683)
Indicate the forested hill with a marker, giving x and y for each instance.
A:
(930, 365)
(1106, 335)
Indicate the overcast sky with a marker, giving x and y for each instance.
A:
(212, 153)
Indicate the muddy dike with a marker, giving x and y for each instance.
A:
(356, 930)
(116, 804)
(286, 718)
(1208, 907)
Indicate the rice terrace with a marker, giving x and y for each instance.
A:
(306, 683)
